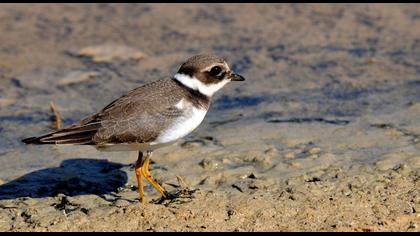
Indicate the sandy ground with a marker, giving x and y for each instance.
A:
(324, 135)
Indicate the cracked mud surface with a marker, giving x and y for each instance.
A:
(322, 136)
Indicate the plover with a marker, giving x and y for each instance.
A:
(150, 116)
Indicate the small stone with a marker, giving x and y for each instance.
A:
(262, 161)
(295, 164)
(347, 193)
(289, 155)
(313, 156)
(229, 161)
(294, 142)
(314, 150)
(244, 176)
(402, 169)
(358, 182)
(121, 203)
(271, 152)
(385, 164)
(101, 201)
(208, 164)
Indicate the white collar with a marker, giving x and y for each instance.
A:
(195, 84)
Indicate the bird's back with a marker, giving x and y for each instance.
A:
(137, 117)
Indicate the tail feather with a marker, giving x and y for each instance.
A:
(71, 135)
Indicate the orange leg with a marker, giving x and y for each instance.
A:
(148, 176)
(139, 174)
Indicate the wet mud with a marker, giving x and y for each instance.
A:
(324, 134)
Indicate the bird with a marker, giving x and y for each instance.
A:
(150, 116)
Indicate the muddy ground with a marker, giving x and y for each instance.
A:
(324, 135)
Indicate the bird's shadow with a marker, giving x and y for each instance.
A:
(73, 177)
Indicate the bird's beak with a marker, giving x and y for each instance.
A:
(236, 77)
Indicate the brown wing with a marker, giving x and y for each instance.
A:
(135, 117)
(75, 134)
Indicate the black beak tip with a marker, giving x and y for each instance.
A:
(236, 77)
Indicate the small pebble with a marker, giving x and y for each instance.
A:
(289, 155)
(209, 164)
(262, 161)
(313, 156)
(271, 152)
(295, 164)
(402, 169)
(385, 164)
(121, 203)
(314, 150)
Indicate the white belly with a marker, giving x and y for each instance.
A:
(191, 119)
(182, 126)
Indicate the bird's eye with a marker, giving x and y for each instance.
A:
(215, 71)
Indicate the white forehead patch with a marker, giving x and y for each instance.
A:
(194, 83)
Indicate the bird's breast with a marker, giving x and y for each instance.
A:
(182, 125)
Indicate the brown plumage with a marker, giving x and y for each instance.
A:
(133, 118)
